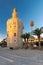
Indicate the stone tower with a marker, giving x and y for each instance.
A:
(14, 31)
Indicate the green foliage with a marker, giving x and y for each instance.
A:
(27, 35)
(23, 36)
(37, 32)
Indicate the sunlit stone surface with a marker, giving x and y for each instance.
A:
(14, 31)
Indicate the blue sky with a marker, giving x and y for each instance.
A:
(27, 10)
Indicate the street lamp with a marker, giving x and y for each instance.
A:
(31, 25)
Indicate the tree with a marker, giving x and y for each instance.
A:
(27, 36)
(24, 37)
(38, 32)
(31, 23)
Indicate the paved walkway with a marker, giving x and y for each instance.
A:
(20, 57)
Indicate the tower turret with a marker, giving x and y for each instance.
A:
(14, 14)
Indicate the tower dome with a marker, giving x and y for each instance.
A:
(14, 14)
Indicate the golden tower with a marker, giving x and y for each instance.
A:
(14, 31)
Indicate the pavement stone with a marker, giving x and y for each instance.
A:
(21, 57)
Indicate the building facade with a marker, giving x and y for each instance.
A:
(14, 31)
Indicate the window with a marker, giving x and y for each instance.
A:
(14, 34)
(14, 40)
(15, 26)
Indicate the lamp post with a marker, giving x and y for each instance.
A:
(31, 25)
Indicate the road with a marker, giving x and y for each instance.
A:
(20, 57)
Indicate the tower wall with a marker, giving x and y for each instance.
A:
(14, 31)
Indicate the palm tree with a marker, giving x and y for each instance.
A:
(38, 32)
(24, 37)
(27, 36)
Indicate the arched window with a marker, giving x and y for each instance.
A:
(14, 34)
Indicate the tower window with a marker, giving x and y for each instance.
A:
(14, 40)
(14, 34)
(15, 26)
